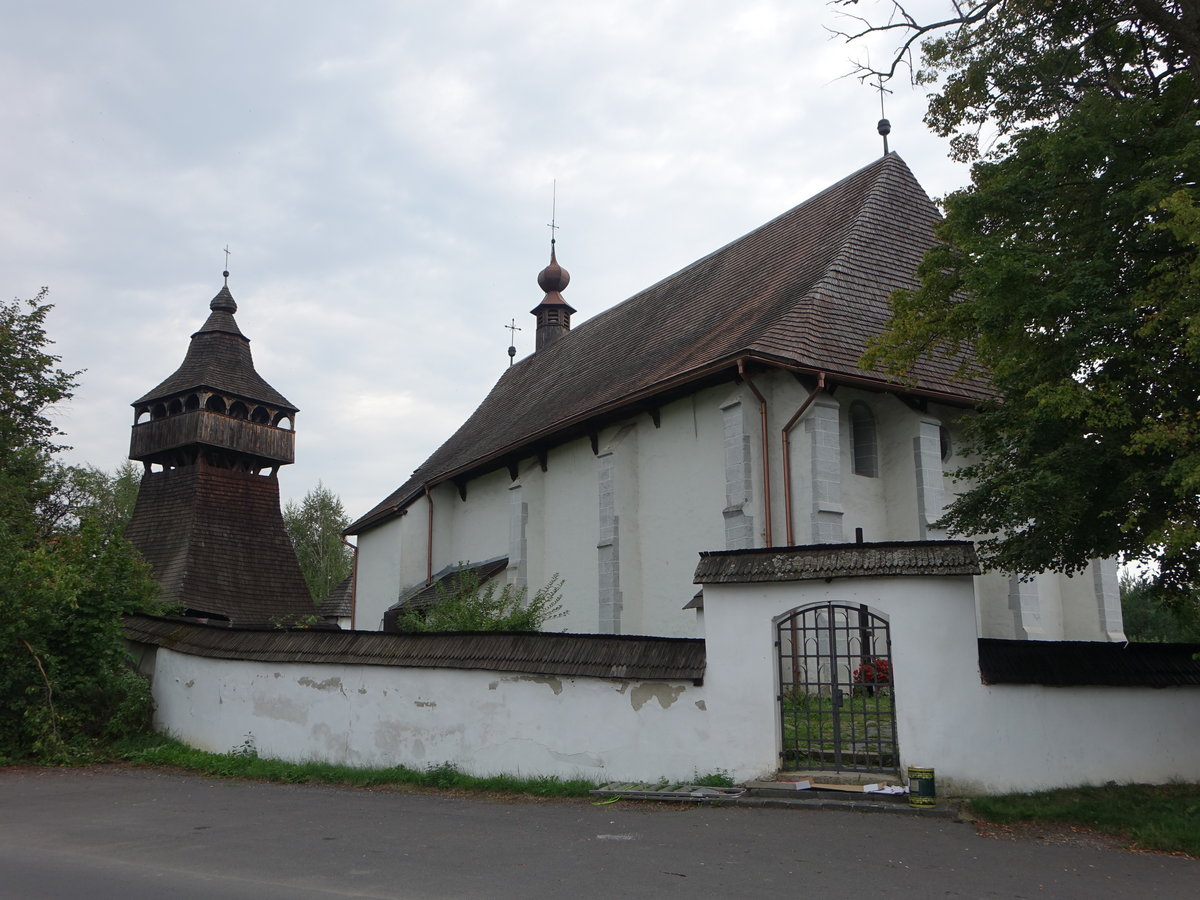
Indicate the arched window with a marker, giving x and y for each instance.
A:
(215, 403)
(260, 415)
(863, 443)
(238, 410)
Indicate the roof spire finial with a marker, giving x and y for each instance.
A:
(553, 214)
(226, 272)
(513, 328)
(884, 127)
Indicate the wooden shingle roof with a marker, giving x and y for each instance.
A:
(340, 602)
(1076, 663)
(218, 358)
(804, 291)
(595, 655)
(823, 561)
(215, 541)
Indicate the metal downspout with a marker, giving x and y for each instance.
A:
(787, 456)
(429, 538)
(766, 462)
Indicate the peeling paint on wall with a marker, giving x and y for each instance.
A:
(555, 684)
(280, 708)
(665, 694)
(329, 684)
(700, 706)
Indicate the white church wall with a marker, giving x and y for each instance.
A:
(866, 497)
(900, 425)
(995, 615)
(622, 525)
(1091, 603)
(482, 722)
(666, 504)
(377, 581)
(474, 529)
(565, 533)
(1050, 604)
(678, 506)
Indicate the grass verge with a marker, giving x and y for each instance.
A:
(1151, 817)
(244, 762)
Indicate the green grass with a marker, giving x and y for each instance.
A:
(1150, 817)
(244, 762)
(866, 730)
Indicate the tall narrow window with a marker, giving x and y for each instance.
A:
(864, 448)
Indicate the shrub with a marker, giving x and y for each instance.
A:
(464, 604)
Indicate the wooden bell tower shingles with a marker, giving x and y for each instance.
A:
(212, 437)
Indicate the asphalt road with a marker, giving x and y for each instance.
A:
(114, 832)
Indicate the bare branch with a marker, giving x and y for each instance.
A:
(902, 21)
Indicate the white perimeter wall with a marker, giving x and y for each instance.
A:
(979, 738)
(483, 722)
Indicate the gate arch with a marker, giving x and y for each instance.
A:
(836, 706)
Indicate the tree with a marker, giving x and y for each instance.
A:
(106, 498)
(66, 581)
(1146, 619)
(1071, 265)
(31, 384)
(315, 527)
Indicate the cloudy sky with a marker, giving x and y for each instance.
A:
(382, 172)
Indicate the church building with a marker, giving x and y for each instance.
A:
(212, 437)
(722, 408)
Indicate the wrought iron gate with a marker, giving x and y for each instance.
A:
(835, 689)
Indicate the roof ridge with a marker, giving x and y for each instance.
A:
(708, 257)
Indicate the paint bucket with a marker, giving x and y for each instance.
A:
(921, 789)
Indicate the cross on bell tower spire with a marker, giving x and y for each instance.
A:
(884, 127)
(553, 313)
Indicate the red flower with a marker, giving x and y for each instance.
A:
(877, 670)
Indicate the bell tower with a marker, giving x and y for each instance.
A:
(212, 437)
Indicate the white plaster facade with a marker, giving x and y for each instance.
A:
(622, 521)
